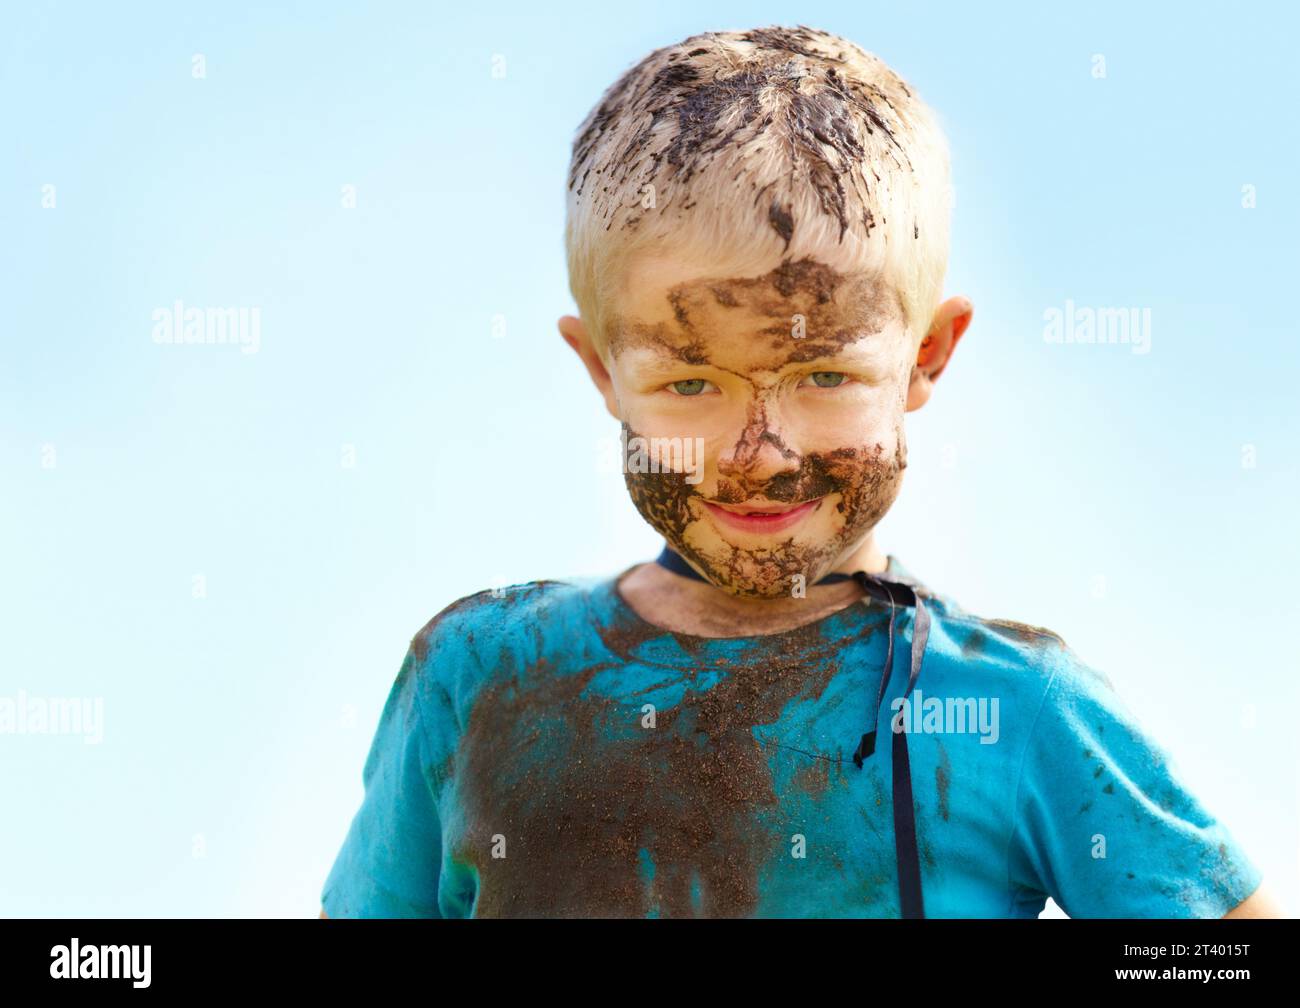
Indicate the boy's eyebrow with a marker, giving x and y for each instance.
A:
(665, 360)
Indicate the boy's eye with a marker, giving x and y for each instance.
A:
(828, 379)
(689, 387)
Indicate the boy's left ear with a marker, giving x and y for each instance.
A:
(575, 334)
(946, 329)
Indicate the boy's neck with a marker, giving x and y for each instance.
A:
(698, 608)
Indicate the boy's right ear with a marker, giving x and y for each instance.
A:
(575, 334)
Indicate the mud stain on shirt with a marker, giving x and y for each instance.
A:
(583, 797)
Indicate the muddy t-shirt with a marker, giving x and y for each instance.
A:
(546, 752)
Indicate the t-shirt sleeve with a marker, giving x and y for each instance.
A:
(391, 857)
(1104, 823)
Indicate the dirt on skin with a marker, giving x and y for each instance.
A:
(836, 309)
(866, 484)
(864, 478)
(603, 817)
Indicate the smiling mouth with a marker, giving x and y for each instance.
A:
(762, 518)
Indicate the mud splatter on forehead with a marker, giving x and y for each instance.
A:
(790, 87)
(834, 310)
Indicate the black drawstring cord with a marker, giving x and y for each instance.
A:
(905, 847)
(867, 745)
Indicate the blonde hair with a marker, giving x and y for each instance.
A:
(754, 147)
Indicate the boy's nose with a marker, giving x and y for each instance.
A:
(759, 452)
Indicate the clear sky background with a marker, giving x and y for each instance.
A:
(387, 450)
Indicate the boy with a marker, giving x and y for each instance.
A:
(757, 237)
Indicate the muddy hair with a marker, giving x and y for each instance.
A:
(751, 148)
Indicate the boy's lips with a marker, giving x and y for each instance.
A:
(761, 518)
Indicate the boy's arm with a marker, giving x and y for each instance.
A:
(1260, 903)
(391, 858)
(1104, 823)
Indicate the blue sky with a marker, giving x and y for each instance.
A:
(231, 549)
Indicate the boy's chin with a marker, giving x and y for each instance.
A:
(783, 571)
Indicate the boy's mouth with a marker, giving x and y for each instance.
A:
(761, 517)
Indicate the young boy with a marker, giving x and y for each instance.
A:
(757, 238)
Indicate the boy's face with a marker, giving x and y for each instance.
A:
(794, 386)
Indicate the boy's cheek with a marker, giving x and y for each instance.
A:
(872, 490)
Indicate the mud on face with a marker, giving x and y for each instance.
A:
(859, 483)
(797, 312)
(743, 326)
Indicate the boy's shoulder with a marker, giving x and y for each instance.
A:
(496, 633)
(982, 637)
(1012, 658)
(503, 615)
(977, 637)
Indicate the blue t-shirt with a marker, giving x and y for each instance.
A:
(546, 752)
